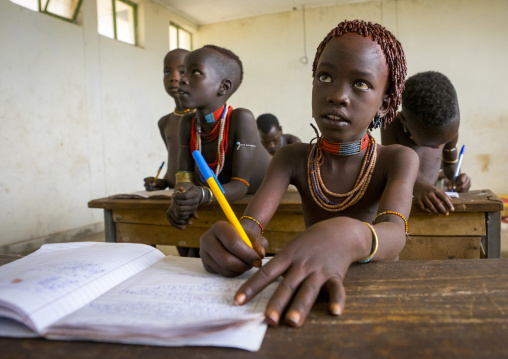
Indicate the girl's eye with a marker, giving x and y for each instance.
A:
(325, 78)
(167, 73)
(362, 85)
(196, 72)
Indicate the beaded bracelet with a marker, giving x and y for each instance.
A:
(184, 177)
(391, 212)
(450, 162)
(241, 180)
(254, 220)
(376, 244)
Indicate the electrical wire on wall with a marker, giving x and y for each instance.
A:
(304, 59)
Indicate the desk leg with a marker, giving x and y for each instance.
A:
(493, 238)
(109, 226)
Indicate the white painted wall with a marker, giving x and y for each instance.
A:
(464, 39)
(78, 111)
(78, 116)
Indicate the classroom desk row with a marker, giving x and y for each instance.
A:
(473, 230)
(403, 309)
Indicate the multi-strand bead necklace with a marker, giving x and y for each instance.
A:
(317, 187)
(220, 130)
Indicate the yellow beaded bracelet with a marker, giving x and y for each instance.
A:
(391, 212)
(376, 244)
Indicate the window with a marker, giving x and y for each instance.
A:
(63, 9)
(117, 19)
(179, 38)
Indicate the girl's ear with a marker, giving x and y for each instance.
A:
(225, 86)
(385, 106)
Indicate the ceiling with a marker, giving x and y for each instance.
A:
(203, 12)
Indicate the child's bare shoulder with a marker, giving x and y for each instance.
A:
(164, 121)
(295, 153)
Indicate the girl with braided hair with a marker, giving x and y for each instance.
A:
(356, 195)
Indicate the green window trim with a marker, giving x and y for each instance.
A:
(178, 29)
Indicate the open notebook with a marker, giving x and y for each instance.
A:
(129, 293)
(161, 194)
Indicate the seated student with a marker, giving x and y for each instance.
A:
(271, 135)
(356, 195)
(227, 138)
(429, 124)
(169, 124)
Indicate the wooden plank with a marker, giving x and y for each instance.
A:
(439, 247)
(455, 224)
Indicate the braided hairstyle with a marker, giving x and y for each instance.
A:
(392, 49)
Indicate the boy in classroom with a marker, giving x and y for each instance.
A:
(429, 124)
(169, 124)
(227, 138)
(270, 133)
(356, 195)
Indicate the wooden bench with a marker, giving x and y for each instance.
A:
(472, 231)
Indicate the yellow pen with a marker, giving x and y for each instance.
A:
(218, 192)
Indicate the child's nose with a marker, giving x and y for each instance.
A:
(339, 96)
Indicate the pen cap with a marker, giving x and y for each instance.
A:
(203, 167)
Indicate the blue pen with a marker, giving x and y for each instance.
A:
(157, 176)
(457, 169)
(218, 192)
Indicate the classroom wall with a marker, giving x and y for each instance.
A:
(464, 39)
(79, 112)
(78, 118)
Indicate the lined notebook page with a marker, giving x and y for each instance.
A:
(60, 278)
(174, 298)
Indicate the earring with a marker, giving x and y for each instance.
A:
(377, 121)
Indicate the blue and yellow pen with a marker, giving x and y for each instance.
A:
(157, 176)
(218, 192)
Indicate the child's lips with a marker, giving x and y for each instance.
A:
(336, 118)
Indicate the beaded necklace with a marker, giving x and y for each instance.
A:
(318, 189)
(220, 130)
(184, 112)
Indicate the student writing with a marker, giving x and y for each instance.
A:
(169, 124)
(356, 195)
(429, 124)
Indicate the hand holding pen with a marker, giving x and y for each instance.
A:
(460, 182)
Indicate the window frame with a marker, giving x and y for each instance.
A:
(45, 11)
(178, 28)
(135, 11)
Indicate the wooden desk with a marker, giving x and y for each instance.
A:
(404, 309)
(476, 222)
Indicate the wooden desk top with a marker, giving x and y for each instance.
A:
(472, 201)
(430, 309)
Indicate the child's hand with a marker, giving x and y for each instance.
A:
(185, 201)
(431, 199)
(158, 184)
(462, 183)
(317, 258)
(223, 251)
